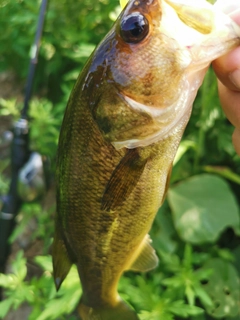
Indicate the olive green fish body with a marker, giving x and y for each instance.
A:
(104, 242)
(121, 129)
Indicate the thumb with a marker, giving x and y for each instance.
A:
(227, 67)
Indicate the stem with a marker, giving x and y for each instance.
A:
(202, 130)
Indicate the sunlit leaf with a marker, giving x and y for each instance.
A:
(203, 206)
(19, 266)
(183, 148)
(123, 3)
(45, 262)
(8, 280)
(181, 309)
(5, 306)
(155, 315)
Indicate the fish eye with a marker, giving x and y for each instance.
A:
(134, 28)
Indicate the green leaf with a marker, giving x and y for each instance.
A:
(163, 230)
(155, 315)
(123, 3)
(45, 262)
(184, 146)
(142, 294)
(20, 227)
(203, 296)
(223, 287)
(5, 306)
(225, 172)
(19, 266)
(190, 294)
(66, 300)
(9, 107)
(8, 281)
(203, 206)
(184, 310)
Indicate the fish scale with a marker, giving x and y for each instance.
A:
(120, 133)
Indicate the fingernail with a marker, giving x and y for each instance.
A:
(235, 78)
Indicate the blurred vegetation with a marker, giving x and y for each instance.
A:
(196, 232)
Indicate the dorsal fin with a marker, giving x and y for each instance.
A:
(123, 180)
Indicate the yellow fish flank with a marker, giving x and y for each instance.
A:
(121, 130)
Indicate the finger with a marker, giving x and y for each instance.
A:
(230, 101)
(236, 140)
(227, 67)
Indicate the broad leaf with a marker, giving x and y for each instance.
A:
(203, 206)
(223, 287)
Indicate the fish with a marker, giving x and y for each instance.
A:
(121, 129)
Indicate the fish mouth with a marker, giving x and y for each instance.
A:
(199, 16)
(187, 21)
(197, 25)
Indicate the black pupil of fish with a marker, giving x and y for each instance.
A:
(134, 28)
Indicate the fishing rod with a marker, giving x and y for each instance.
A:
(27, 167)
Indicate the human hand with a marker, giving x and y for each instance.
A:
(227, 69)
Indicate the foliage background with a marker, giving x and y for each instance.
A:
(196, 232)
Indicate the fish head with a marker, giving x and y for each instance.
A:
(147, 63)
(155, 57)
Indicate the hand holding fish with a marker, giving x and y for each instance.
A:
(227, 69)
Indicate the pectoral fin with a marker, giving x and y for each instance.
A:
(61, 260)
(147, 258)
(123, 180)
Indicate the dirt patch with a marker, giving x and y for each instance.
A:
(10, 86)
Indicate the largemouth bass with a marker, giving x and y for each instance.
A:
(121, 130)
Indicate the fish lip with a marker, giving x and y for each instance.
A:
(183, 34)
(201, 4)
(191, 40)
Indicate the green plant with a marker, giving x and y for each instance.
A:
(68, 38)
(39, 293)
(196, 232)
